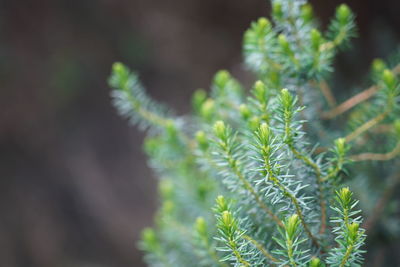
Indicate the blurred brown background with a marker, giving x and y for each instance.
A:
(74, 186)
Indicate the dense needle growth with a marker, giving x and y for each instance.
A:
(262, 177)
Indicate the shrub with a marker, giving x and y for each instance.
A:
(255, 178)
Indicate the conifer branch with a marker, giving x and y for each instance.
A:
(287, 104)
(356, 99)
(299, 212)
(350, 103)
(264, 138)
(349, 236)
(366, 126)
(377, 156)
(226, 139)
(260, 248)
(327, 93)
(390, 187)
(269, 169)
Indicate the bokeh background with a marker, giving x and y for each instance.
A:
(74, 186)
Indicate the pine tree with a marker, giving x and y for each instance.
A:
(243, 181)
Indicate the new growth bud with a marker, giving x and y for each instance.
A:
(389, 79)
(291, 226)
(264, 133)
(202, 140)
(118, 67)
(244, 111)
(227, 219)
(166, 189)
(343, 14)
(353, 231)
(201, 226)
(149, 239)
(378, 66)
(207, 109)
(260, 92)
(222, 78)
(287, 98)
(316, 39)
(263, 23)
(341, 146)
(222, 205)
(283, 42)
(344, 197)
(254, 123)
(396, 128)
(277, 10)
(199, 97)
(307, 12)
(220, 130)
(315, 262)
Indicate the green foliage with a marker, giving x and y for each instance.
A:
(279, 195)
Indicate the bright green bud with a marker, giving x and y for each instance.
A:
(263, 23)
(277, 10)
(307, 12)
(122, 74)
(227, 218)
(222, 205)
(207, 109)
(244, 111)
(168, 207)
(151, 145)
(201, 226)
(353, 231)
(283, 42)
(149, 238)
(344, 195)
(389, 79)
(118, 67)
(343, 13)
(166, 188)
(221, 78)
(316, 39)
(287, 98)
(291, 226)
(220, 130)
(341, 147)
(315, 262)
(171, 128)
(378, 66)
(198, 98)
(202, 140)
(254, 123)
(260, 92)
(397, 128)
(264, 133)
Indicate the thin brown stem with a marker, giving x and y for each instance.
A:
(350, 103)
(355, 100)
(377, 156)
(327, 93)
(367, 125)
(377, 211)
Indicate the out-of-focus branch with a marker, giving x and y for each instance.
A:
(369, 124)
(327, 93)
(376, 213)
(377, 156)
(355, 100)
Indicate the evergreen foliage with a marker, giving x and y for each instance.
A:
(256, 178)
